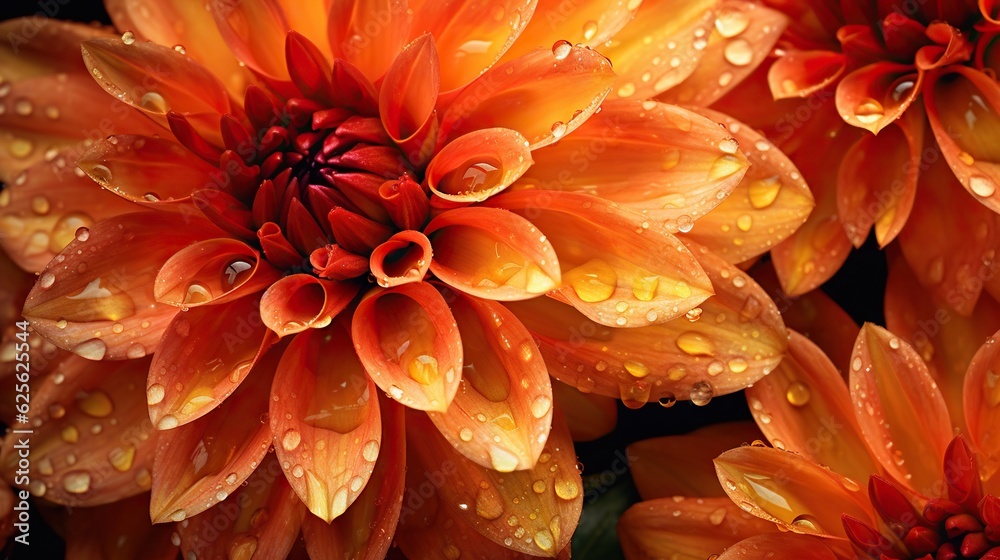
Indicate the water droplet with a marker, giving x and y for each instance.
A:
(589, 29)
(982, 186)
(370, 451)
(502, 459)
(798, 394)
(724, 166)
(465, 434)
(154, 103)
(93, 349)
(592, 281)
(738, 365)
(730, 22)
(541, 406)
(23, 107)
(488, 504)
(869, 111)
(561, 49)
(178, 515)
(46, 280)
(567, 489)
(701, 393)
(626, 89)
(291, 440)
(695, 344)
(168, 422)
(196, 293)
(70, 434)
(40, 205)
(121, 458)
(856, 363)
(667, 400)
(559, 129)
(636, 369)
(729, 145)
(424, 369)
(96, 404)
(717, 516)
(76, 482)
(128, 38)
(544, 540)
(738, 52)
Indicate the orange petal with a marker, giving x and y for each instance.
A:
(669, 466)
(982, 406)
(41, 211)
(327, 440)
(191, 26)
(544, 95)
(117, 531)
(55, 118)
(590, 22)
(803, 73)
(146, 169)
(788, 546)
(96, 297)
(769, 204)
(817, 249)
(261, 518)
(901, 411)
(369, 33)
(410, 89)
(212, 272)
(255, 31)
(804, 406)
(874, 96)
(301, 302)
(549, 497)
(945, 341)
(950, 239)
(202, 462)
(618, 269)
(93, 443)
(501, 415)
(660, 47)
(696, 357)
(791, 491)
(743, 37)
(680, 165)
(588, 416)
(685, 528)
(478, 165)
(407, 338)
(155, 79)
(404, 258)
(192, 373)
(53, 48)
(470, 43)
(962, 107)
(366, 529)
(877, 180)
(493, 254)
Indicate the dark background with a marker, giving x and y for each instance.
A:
(857, 287)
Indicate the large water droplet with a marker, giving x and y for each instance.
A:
(592, 281)
(701, 393)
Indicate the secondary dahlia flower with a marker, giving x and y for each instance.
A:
(310, 217)
(890, 111)
(929, 493)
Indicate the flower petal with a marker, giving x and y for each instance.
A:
(817, 249)
(410, 89)
(146, 169)
(618, 268)
(792, 491)
(769, 204)
(982, 406)
(787, 546)
(211, 272)
(325, 420)
(680, 165)
(255, 31)
(262, 516)
(94, 444)
(493, 254)
(668, 466)
(54, 47)
(301, 302)
(96, 298)
(191, 356)
(589, 22)
(962, 107)
(55, 118)
(874, 96)
(544, 95)
(804, 406)
(877, 180)
(501, 415)
(191, 26)
(709, 352)
(408, 339)
(945, 341)
(949, 239)
(203, 461)
(901, 411)
(549, 496)
(477, 165)
(689, 528)
(803, 73)
(41, 211)
(470, 43)
(660, 48)
(365, 531)
(117, 531)
(588, 416)
(743, 37)
(369, 33)
(404, 258)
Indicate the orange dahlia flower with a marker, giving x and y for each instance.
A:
(318, 215)
(929, 494)
(890, 110)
